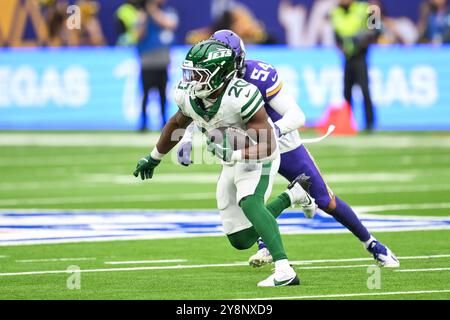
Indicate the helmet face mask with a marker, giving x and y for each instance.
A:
(208, 66)
(198, 75)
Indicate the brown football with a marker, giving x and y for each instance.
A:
(238, 138)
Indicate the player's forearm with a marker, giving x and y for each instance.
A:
(260, 151)
(264, 149)
(171, 134)
(293, 116)
(260, 131)
(294, 119)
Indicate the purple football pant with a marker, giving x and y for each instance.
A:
(298, 161)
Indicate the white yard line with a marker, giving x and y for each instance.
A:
(55, 260)
(126, 139)
(236, 264)
(131, 181)
(115, 198)
(423, 270)
(335, 267)
(406, 206)
(145, 261)
(194, 196)
(78, 139)
(128, 269)
(438, 256)
(348, 295)
(190, 196)
(391, 189)
(188, 211)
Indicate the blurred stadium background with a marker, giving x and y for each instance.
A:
(71, 132)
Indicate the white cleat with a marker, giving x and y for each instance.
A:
(298, 193)
(281, 278)
(383, 255)
(260, 258)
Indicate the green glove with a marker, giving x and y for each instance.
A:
(223, 150)
(145, 167)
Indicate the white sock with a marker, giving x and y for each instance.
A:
(366, 243)
(282, 264)
(303, 196)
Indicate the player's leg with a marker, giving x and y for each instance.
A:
(348, 82)
(146, 86)
(162, 83)
(254, 184)
(245, 216)
(362, 79)
(301, 161)
(239, 230)
(295, 194)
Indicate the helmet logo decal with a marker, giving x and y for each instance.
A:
(188, 63)
(220, 53)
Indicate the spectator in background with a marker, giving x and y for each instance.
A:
(155, 33)
(127, 16)
(434, 22)
(55, 15)
(395, 30)
(349, 20)
(90, 33)
(235, 16)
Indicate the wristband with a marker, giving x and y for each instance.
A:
(156, 155)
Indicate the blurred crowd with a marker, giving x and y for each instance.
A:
(303, 25)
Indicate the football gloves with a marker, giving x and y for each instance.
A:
(223, 151)
(145, 167)
(184, 153)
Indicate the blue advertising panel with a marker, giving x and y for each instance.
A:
(99, 88)
(68, 89)
(410, 86)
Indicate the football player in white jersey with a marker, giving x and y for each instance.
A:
(215, 100)
(287, 117)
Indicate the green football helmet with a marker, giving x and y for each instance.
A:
(209, 65)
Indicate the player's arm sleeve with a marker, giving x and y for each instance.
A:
(273, 85)
(293, 116)
(252, 104)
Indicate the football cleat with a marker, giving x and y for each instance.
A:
(384, 256)
(281, 278)
(299, 191)
(260, 258)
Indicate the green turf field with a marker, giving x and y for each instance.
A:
(385, 174)
(208, 281)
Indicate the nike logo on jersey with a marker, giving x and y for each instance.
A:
(275, 78)
(248, 94)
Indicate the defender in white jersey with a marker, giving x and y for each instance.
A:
(211, 97)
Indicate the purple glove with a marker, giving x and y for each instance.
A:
(277, 131)
(184, 153)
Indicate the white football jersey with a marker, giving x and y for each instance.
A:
(233, 108)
